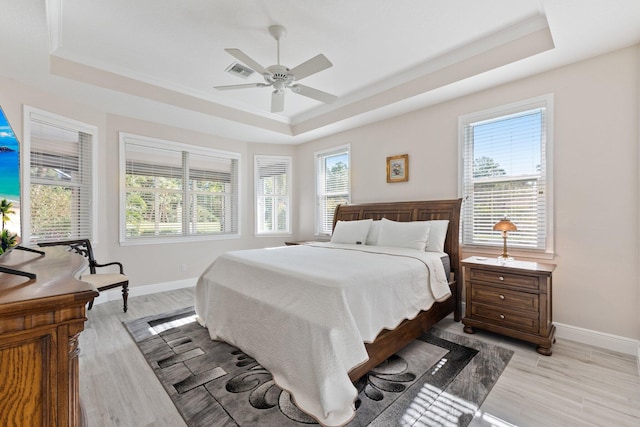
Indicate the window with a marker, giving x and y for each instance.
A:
(60, 155)
(272, 188)
(174, 191)
(507, 172)
(332, 186)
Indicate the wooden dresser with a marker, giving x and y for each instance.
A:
(40, 321)
(512, 298)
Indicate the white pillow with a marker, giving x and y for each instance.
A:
(437, 235)
(354, 232)
(412, 235)
(374, 232)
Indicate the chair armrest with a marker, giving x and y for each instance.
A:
(62, 243)
(110, 263)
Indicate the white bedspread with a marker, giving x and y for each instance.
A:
(304, 312)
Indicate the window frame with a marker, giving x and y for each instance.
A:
(546, 102)
(152, 142)
(289, 174)
(317, 156)
(53, 119)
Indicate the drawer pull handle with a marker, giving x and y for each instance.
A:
(502, 316)
(501, 278)
(501, 296)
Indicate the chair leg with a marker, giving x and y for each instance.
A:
(125, 296)
(90, 304)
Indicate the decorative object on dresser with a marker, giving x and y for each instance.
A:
(513, 299)
(504, 226)
(40, 322)
(10, 240)
(100, 281)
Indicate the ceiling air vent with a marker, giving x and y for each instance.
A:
(237, 69)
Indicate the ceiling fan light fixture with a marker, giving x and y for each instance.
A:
(281, 77)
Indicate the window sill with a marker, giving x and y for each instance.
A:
(470, 250)
(181, 239)
(284, 234)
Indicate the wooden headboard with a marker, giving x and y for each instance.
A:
(412, 211)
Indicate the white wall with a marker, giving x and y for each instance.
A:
(595, 179)
(638, 235)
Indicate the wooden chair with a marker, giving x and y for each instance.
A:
(100, 281)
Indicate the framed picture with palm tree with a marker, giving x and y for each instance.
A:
(9, 185)
(10, 195)
(8, 239)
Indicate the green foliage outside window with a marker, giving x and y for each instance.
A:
(51, 212)
(154, 206)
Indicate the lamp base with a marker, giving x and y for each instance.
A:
(502, 259)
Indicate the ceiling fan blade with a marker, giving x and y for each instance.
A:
(277, 101)
(311, 66)
(316, 94)
(243, 86)
(246, 60)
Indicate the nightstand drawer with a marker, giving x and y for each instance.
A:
(525, 322)
(503, 298)
(505, 279)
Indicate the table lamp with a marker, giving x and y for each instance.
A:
(504, 226)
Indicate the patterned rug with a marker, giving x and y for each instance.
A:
(440, 379)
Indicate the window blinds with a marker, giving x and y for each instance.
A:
(60, 180)
(272, 188)
(333, 186)
(175, 190)
(505, 176)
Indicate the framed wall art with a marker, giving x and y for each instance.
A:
(398, 168)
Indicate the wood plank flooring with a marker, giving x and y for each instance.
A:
(579, 385)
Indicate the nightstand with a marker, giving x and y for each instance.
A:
(512, 298)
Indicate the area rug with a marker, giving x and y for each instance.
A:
(440, 379)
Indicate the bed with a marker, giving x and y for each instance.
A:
(317, 319)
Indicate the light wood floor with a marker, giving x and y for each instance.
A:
(578, 386)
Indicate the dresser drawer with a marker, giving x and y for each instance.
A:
(519, 281)
(521, 321)
(504, 298)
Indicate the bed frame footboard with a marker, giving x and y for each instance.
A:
(389, 342)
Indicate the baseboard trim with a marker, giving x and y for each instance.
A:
(136, 291)
(599, 339)
(595, 338)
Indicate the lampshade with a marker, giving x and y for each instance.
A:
(504, 225)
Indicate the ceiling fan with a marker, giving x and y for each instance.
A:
(280, 77)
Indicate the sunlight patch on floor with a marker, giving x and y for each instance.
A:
(435, 407)
(155, 330)
(494, 421)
